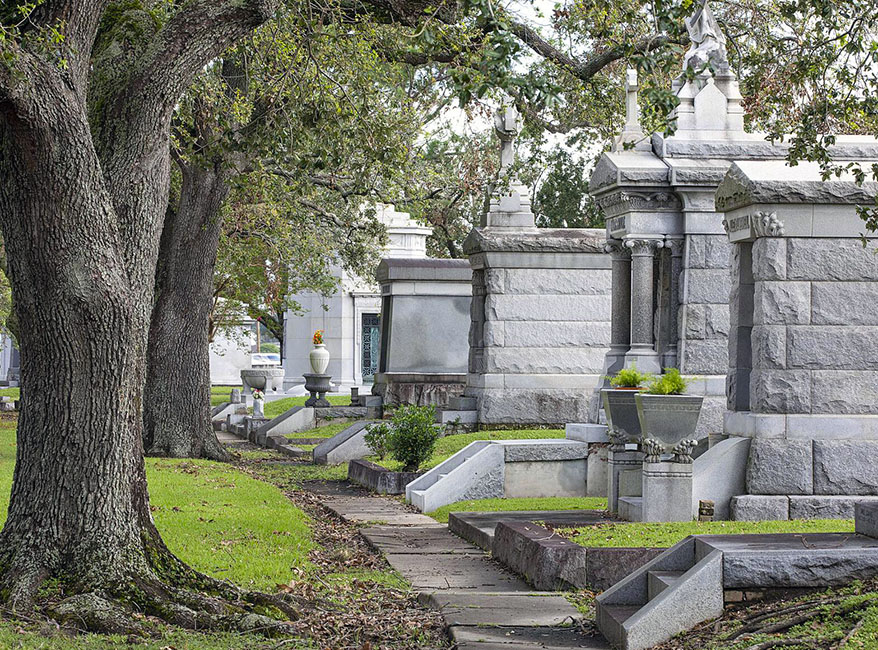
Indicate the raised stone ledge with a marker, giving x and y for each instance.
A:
(774, 182)
(424, 270)
(550, 562)
(545, 450)
(379, 479)
(571, 240)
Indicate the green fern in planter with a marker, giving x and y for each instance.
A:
(630, 378)
(670, 383)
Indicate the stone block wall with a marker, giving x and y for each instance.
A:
(704, 308)
(814, 338)
(540, 324)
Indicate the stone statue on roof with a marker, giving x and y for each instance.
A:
(708, 46)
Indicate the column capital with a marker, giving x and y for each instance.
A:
(616, 248)
(674, 244)
(643, 246)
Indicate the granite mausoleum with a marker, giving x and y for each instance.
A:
(349, 318)
(425, 318)
(540, 310)
(803, 358)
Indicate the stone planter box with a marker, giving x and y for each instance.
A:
(379, 479)
(668, 418)
(621, 410)
(551, 563)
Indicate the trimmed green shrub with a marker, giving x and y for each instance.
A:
(630, 378)
(378, 438)
(413, 436)
(670, 383)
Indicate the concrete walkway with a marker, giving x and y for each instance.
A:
(484, 606)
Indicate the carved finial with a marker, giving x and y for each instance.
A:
(708, 41)
(653, 450)
(683, 451)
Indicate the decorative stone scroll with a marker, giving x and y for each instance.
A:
(618, 439)
(750, 226)
(621, 202)
(766, 224)
(653, 450)
(643, 246)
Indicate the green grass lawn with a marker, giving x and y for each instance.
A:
(326, 431)
(668, 534)
(508, 505)
(14, 393)
(278, 406)
(449, 445)
(220, 394)
(213, 516)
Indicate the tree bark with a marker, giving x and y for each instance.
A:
(177, 399)
(81, 207)
(79, 505)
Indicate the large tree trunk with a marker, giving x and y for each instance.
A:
(177, 399)
(81, 208)
(79, 505)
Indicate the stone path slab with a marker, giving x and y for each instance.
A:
(229, 438)
(485, 606)
(445, 571)
(429, 538)
(534, 609)
(366, 509)
(518, 638)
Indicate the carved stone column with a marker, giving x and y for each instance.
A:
(669, 358)
(642, 351)
(620, 332)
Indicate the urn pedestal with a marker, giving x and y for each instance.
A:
(318, 386)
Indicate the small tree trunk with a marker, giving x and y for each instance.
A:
(177, 399)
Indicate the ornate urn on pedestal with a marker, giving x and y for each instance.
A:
(319, 356)
(668, 418)
(619, 404)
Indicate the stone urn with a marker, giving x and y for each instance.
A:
(668, 421)
(621, 410)
(319, 358)
(264, 379)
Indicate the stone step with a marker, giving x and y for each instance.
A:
(677, 590)
(612, 621)
(631, 508)
(658, 581)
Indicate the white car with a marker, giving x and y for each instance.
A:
(265, 359)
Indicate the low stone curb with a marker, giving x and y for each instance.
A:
(550, 562)
(379, 479)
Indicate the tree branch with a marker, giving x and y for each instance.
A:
(78, 21)
(199, 32)
(588, 68)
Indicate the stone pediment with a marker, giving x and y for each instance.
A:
(627, 168)
(769, 182)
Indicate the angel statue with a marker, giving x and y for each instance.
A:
(708, 41)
